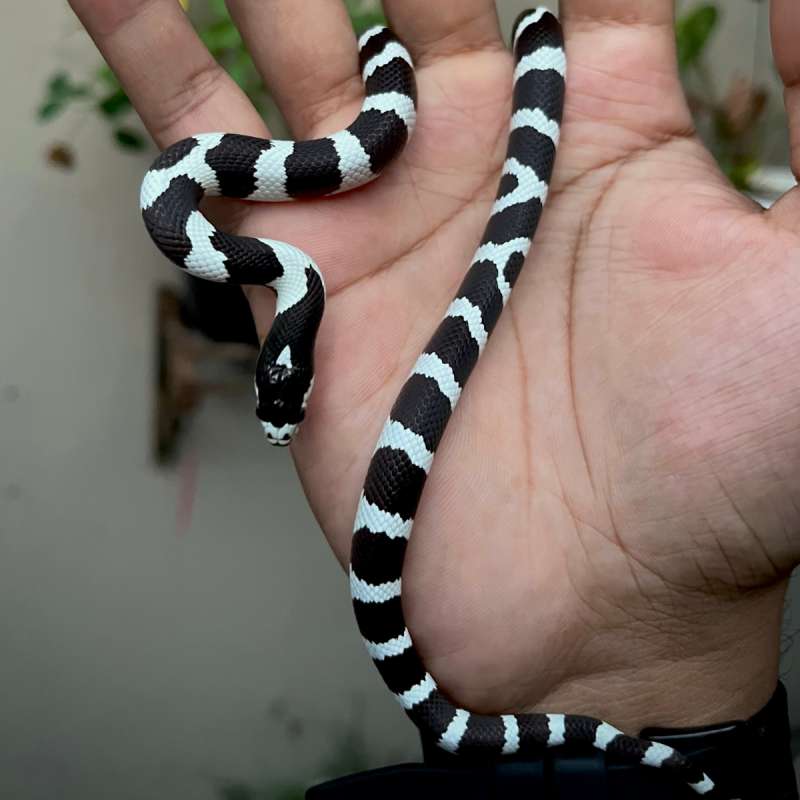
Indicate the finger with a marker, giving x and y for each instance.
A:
(172, 80)
(785, 16)
(307, 54)
(432, 30)
(624, 74)
(657, 13)
(652, 22)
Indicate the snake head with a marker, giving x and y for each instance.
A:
(282, 390)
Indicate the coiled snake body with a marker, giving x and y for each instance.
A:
(257, 169)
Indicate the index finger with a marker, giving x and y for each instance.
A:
(172, 80)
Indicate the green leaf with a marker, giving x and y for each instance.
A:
(58, 84)
(363, 22)
(48, 110)
(219, 9)
(242, 70)
(107, 76)
(365, 15)
(114, 104)
(61, 87)
(221, 36)
(694, 31)
(129, 139)
(740, 170)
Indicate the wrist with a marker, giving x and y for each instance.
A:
(704, 662)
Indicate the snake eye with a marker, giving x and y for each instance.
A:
(278, 373)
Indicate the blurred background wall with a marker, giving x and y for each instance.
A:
(152, 648)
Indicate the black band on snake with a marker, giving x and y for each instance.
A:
(257, 169)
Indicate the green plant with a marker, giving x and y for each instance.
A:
(693, 32)
(728, 122)
(101, 93)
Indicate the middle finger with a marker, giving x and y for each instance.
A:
(308, 57)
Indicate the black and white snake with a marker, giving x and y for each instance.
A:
(258, 169)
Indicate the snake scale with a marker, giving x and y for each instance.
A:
(245, 167)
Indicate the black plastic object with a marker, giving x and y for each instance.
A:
(749, 760)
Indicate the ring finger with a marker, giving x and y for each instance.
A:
(307, 55)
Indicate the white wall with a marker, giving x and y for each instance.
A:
(138, 662)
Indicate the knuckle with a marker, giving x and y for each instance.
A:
(196, 89)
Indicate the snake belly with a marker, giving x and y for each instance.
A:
(249, 168)
(405, 451)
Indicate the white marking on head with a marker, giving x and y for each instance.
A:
(285, 358)
(279, 435)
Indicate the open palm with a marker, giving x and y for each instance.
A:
(620, 477)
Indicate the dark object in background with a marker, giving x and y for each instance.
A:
(206, 343)
(218, 311)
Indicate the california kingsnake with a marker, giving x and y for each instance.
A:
(230, 165)
(257, 169)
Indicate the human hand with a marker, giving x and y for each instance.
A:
(613, 513)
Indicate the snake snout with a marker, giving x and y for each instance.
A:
(281, 392)
(279, 436)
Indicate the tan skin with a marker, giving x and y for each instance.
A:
(615, 510)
